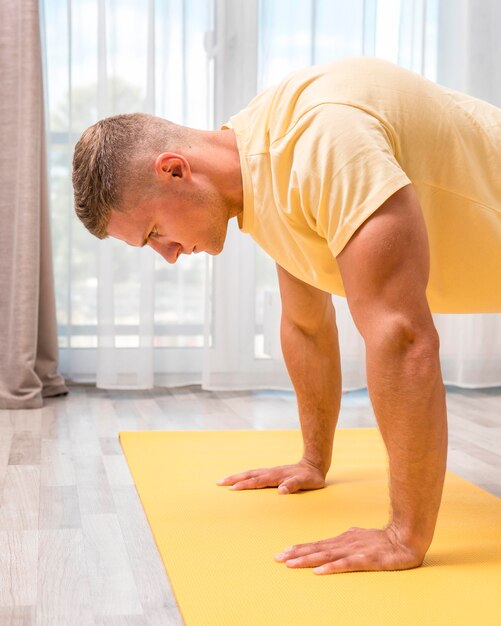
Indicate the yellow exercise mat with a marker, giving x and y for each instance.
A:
(218, 545)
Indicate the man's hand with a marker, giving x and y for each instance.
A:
(288, 478)
(356, 550)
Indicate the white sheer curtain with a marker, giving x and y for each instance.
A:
(126, 318)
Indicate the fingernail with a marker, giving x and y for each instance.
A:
(319, 570)
(282, 555)
(283, 489)
(220, 481)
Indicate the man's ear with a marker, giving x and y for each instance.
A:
(172, 165)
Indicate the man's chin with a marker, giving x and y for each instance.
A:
(215, 251)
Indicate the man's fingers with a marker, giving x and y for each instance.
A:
(253, 479)
(316, 558)
(302, 549)
(357, 549)
(288, 478)
(333, 560)
(291, 485)
(250, 483)
(256, 482)
(354, 563)
(235, 478)
(228, 480)
(347, 538)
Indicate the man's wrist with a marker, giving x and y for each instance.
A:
(416, 539)
(317, 463)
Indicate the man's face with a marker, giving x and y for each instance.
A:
(174, 224)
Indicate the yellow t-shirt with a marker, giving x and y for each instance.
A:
(324, 149)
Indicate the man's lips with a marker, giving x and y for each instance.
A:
(181, 250)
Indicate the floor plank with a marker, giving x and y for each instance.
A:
(112, 585)
(63, 581)
(18, 564)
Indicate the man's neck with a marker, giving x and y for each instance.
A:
(219, 151)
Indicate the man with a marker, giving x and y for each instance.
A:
(359, 178)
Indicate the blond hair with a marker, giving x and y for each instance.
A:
(113, 156)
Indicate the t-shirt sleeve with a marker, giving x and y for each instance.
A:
(343, 168)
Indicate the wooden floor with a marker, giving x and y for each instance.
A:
(75, 546)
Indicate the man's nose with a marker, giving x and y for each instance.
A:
(169, 251)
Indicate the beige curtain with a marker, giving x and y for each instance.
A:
(28, 333)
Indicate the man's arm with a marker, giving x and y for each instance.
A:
(310, 347)
(385, 268)
(311, 352)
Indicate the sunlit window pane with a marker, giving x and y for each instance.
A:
(99, 61)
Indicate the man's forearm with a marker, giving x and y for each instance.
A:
(408, 397)
(313, 363)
